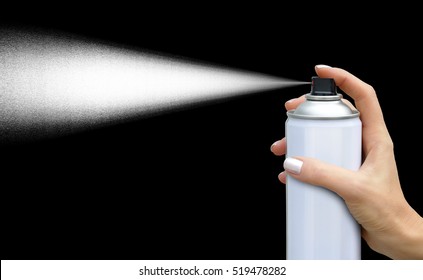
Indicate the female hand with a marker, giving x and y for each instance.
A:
(373, 194)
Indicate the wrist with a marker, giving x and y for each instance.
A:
(410, 241)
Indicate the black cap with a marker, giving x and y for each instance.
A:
(323, 86)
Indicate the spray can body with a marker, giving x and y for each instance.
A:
(319, 224)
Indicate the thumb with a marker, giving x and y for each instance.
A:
(319, 173)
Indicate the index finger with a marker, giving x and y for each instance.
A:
(365, 99)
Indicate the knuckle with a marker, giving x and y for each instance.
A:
(371, 90)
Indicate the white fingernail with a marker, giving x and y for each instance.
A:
(322, 66)
(293, 165)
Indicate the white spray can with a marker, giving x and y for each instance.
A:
(318, 222)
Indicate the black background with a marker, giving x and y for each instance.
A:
(199, 183)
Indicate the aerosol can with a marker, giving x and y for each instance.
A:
(319, 224)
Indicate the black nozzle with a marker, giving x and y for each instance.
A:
(323, 86)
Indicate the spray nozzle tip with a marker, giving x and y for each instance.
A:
(323, 86)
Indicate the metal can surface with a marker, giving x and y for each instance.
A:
(318, 222)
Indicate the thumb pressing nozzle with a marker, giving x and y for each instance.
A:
(323, 86)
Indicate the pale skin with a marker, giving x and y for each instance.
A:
(373, 194)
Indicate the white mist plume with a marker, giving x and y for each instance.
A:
(61, 82)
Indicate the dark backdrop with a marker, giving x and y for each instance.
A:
(200, 183)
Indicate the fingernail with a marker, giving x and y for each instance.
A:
(274, 145)
(291, 100)
(322, 66)
(293, 165)
(282, 177)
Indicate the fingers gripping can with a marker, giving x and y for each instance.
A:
(318, 222)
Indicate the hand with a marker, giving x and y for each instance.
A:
(373, 194)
